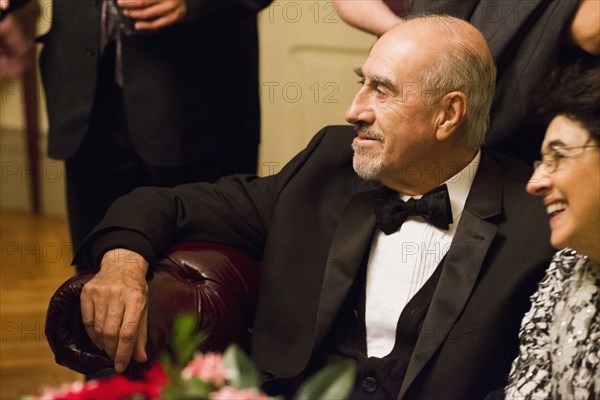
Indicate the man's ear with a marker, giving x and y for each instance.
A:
(451, 115)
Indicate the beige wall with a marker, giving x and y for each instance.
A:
(307, 57)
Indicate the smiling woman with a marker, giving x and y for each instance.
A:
(568, 180)
(560, 348)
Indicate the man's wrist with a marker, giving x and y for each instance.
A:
(124, 258)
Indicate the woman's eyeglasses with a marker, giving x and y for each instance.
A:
(557, 155)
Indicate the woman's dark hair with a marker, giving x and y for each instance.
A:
(574, 92)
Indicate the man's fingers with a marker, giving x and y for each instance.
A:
(111, 331)
(125, 345)
(152, 14)
(96, 309)
(156, 24)
(135, 4)
(87, 316)
(132, 322)
(113, 303)
(139, 353)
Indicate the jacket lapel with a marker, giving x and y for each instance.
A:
(351, 240)
(461, 268)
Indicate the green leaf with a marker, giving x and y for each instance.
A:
(173, 372)
(186, 340)
(240, 369)
(185, 327)
(197, 389)
(170, 393)
(188, 349)
(332, 382)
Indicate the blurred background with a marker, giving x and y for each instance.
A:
(307, 56)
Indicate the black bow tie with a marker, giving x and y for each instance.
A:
(434, 207)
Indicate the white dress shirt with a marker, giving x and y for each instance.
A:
(400, 264)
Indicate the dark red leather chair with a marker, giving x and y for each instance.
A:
(216, 282)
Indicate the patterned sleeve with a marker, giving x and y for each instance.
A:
(531, 370)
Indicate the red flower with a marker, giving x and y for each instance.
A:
(155, 379)
(115, 387)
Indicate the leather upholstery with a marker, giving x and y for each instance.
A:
(217, 282)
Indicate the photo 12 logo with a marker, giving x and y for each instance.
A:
(292, 92)
(292, 12)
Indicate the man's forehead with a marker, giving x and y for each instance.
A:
(380, 63)
(372, 67)
(394, 66)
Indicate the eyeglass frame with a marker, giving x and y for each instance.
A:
(551, 165)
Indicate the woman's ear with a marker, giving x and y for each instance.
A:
(451, 115)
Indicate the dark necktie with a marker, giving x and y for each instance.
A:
(433, 206)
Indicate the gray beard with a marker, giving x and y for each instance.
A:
(367, 167)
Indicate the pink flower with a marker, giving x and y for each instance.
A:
(206, 367)
(229, 393)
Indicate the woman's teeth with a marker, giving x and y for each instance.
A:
(555, 208)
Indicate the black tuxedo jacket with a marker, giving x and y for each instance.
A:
(313, 222)
(190, 90)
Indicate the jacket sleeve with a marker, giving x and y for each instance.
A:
(236, 210)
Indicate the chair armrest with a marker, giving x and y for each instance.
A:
(218, 283)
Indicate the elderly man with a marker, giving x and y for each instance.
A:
(400, 244)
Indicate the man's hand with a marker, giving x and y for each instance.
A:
(15, 48)
(153, 14)
(114, 307)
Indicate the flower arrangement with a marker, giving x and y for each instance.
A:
(190, 375)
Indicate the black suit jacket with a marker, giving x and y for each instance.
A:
(311, 224)
(190, 90)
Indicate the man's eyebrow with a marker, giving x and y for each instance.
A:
(359, 72)
(378, 79)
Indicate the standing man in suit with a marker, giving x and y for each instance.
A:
(401, 244)
(149, 104)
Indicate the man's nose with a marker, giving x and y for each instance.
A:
(360, 110)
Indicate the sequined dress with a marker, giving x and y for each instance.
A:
(559, 354)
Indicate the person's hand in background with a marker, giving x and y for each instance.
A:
(153, 14)
(15, 47)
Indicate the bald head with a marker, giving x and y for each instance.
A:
(440, 27)
(452, 55)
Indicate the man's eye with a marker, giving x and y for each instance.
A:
(361, 82)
